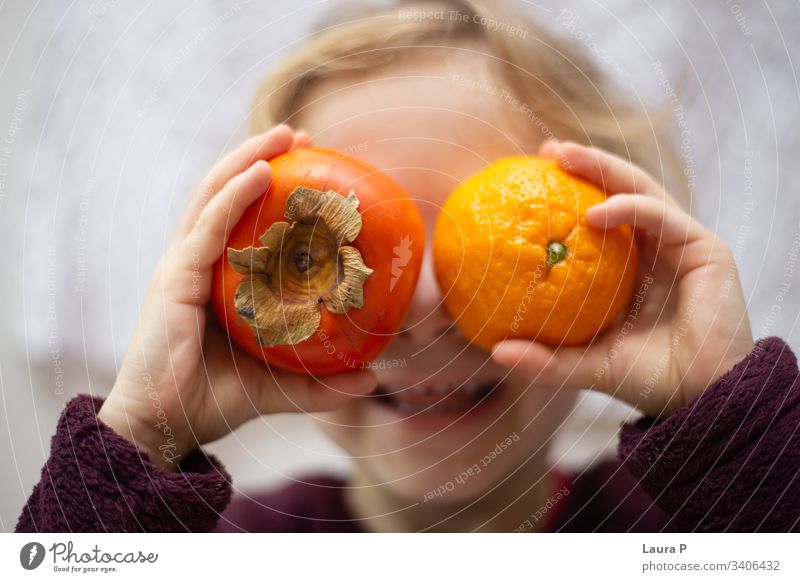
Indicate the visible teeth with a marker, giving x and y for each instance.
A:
(470, 388)
(436, 398)
(406, 407)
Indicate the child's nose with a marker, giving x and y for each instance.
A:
(426, 320)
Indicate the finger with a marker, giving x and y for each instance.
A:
(607, 171)
(206, 242)
(288, 392)
(266, 146)
(302, 139)
(566, 367)
(683, 241)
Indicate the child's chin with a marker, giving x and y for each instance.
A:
(449, 471)
(440, 491)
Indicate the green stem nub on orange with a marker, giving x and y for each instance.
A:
(556, 252)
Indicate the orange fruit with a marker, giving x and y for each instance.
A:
(515, 257)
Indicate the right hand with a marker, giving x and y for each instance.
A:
(182, 383)
(685, 335)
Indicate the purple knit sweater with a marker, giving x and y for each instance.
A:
(727, 461)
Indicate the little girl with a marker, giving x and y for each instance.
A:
(458, 439)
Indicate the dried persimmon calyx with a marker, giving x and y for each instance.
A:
(304, 265)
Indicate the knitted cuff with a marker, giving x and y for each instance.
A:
(723, 446)
(95, 480)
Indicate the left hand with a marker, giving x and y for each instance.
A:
(182, 383)
(692, 326)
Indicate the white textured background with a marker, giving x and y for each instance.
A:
(110, 112)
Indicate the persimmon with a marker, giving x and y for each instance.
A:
(320, 270)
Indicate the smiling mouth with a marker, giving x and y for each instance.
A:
(437, 398)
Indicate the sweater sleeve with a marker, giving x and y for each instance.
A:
(730, 459)
(97, 481)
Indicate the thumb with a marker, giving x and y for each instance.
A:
(566, 367)
(291, 392)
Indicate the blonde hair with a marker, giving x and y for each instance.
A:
(565, 92)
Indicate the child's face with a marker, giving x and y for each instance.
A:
(429, 132)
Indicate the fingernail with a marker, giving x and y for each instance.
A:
(597, 216)
(503, 348)
(550, 142)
